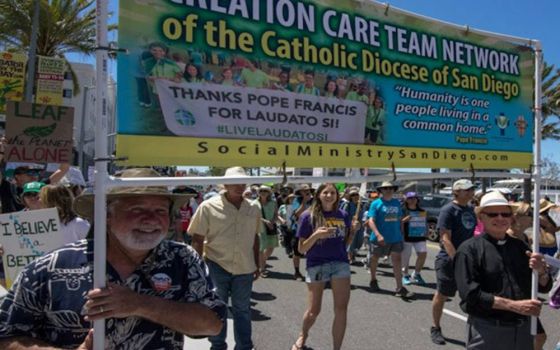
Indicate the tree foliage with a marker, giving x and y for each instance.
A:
(550, 169)
(550, 102)
(65, 26)
(216, 171)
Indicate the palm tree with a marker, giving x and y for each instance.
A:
(64, 26)
(550, 102)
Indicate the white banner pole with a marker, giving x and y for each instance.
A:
(537, 172)
(101, 174)
(215, 180)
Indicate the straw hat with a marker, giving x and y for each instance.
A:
(493, 199)
(265, 188)
(544, 205)
(83, 204)
(521, 209)
(235, 171)
(304, 187)
(387, 184)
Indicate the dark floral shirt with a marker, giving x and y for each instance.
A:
(47, 299)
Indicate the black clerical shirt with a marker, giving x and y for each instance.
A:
(486, 267)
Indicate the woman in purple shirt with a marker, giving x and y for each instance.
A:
(323, 233)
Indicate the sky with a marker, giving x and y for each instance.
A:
(532, 19)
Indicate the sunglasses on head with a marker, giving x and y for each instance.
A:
(495, 215)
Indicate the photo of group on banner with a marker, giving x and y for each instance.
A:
(157, 61)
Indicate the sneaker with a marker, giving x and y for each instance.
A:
(374, 286)
(299, 277)
(417, 278)
(437, 337)
(406, 280)
(365, 263)
(384, 261)
(404, 293)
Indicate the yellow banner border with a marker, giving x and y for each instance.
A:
(143, 150)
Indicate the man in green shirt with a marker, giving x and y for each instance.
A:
(254, 77)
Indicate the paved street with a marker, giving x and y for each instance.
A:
(375, 321)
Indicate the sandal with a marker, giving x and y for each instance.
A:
(299, 347)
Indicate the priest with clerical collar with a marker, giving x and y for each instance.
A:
(493, 274)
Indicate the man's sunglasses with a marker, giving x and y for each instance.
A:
(495, 215)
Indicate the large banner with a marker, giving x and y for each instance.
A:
(12, 78)
(50, 80)
(27, 235)
(317, 84)
(39, 133)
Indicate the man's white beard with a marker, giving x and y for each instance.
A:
(138, 240)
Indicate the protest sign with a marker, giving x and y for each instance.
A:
(12, 78)
(27, 235)
(39, 133)
(50, 80)
(317, 84)
(417, 225)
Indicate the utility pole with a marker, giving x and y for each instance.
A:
(32, 53)
(81, 141)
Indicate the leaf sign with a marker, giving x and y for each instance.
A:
(40, 131)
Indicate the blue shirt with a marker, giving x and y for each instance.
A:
(47, 299)
(387, 217)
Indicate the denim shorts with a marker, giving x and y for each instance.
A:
(327, 271)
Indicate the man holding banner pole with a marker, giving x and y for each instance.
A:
(157, 290)
(493, 272)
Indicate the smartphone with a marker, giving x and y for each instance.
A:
(332, 231)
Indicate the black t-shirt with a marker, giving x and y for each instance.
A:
(460, 220)
(10, 196)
